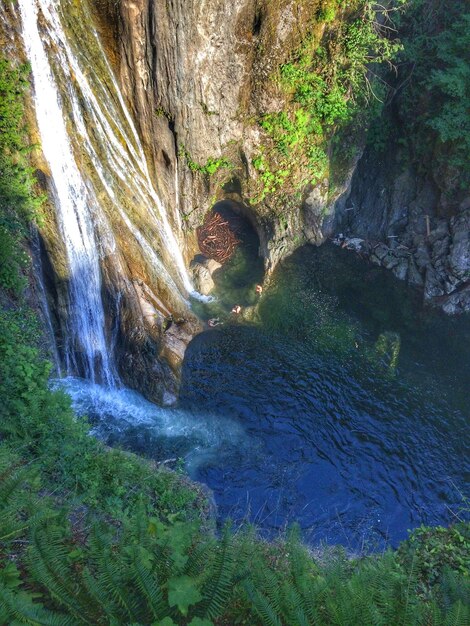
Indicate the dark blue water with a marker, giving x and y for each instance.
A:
(343, 405)
(354, 400)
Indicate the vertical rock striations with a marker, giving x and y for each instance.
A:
(198, 73)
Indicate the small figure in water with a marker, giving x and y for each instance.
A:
(237, 309)
(259, 289)
(215, 321)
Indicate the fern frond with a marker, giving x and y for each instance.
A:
(459, 615)
(148, 587)
(218, 587)
(47, 558)
(101, 603)
(112, 575)
(19, 606)
(263, 608)
(198, 559)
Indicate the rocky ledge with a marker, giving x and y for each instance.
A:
(437, 260)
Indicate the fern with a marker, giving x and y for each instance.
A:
(20, 606)
(198, 559)
(112, 573)
(264, 609)
(218, 587)
(15, 499)
(459, 615)
(147, 585)
(47, 558)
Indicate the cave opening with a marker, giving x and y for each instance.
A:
(230, 252)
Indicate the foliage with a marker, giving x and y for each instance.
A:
(75, 567)
(450, 84)
(41, 421)
(96, 536)
(138, 571)
(18, 203)
(211, 166)
(375, 590)
(433, 92)
(328, 84)
(437, 550)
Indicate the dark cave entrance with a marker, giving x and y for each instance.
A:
(229, 238)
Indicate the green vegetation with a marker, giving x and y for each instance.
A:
(451, 85)
(90, 535)
(40, 423)
(328, 83)
(433, 86)
(18, 204)
(65, 565)
(211, 166)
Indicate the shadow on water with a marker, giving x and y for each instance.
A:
(345, 407)
(356, 397)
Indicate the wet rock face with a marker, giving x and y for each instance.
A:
(409, 227)
(203, 270)
(197, 72)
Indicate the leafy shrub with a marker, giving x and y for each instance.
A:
(72, 567)
(328, 86)
(437, 550)
(433, 97)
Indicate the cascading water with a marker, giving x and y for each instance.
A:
(82, 118)
(113, 146)
(75, 206)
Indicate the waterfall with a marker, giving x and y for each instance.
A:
(75, 206)
(99, 172)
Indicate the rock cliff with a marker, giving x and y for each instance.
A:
(415, 223)
(197, 76)
(204, 73)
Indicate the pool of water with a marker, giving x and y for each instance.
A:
(342, 406)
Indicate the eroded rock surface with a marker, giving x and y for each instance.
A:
(410, 226)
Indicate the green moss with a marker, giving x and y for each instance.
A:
(327, 86)
(211, 166)
(18, 202)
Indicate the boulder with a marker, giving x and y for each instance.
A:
(203, 269)
(459, 257)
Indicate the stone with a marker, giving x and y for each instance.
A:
(440, 231)
(440, 248)
(422, 258)
(203, 281)
(432, 286)
(169, 399)
(212, 265)
(381, 251)
(459, 257)
(457, 303)
(401, 270)
(390, 260)
(354, 243)
(414, 277)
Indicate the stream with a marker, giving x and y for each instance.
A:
(341, 404)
